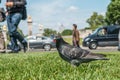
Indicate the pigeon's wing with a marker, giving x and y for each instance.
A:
(65, 51)
(76, 53)
(94, 56)
(87, 55)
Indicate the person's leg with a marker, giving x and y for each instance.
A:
(73, 43)
(13, 21)
(16, 20)
(77, 43)
(12, 39)
(22, 41)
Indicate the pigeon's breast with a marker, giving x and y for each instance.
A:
(64, 52)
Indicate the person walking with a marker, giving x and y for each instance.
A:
(15, 9)
(76, 36)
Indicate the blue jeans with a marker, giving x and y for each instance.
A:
(12, 21)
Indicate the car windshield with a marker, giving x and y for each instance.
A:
(94, 32)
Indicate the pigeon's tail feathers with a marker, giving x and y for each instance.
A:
(100, 55)
(96, 57)
(103, 58)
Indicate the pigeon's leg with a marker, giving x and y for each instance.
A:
(75, 63)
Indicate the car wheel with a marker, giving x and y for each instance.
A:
(93, 45)
(47, 47)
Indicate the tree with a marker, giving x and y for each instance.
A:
(67, 32)
(113, 12)
(96, 20)
(48, 32)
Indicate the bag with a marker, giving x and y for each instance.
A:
(2, 15)
(24, 13)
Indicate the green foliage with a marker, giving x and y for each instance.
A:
(48, 32)
(49, 66)
(20, 31)
(96, 20)
(113, 12)
(67, 32)
(87, 28)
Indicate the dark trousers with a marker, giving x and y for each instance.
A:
(12, 21)
(76, 43)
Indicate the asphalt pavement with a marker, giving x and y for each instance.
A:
(99, 49)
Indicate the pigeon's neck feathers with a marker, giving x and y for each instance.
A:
(61, 42)
(60, 47)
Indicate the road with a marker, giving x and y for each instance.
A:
(103, 49)
(100, 49)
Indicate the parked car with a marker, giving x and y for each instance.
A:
(37, 42)
(103, 36)
(119, 41)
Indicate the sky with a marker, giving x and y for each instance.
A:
(54, 13)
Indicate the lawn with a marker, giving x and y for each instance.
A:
(69, 40)
(49, 66)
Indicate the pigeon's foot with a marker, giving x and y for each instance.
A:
(75, 63)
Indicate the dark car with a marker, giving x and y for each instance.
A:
(38, 42)
(103, 36)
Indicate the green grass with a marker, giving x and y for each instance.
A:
(49, 66)
(69, 40)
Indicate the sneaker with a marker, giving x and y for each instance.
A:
(16, 50)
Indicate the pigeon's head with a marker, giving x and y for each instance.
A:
(59, 39)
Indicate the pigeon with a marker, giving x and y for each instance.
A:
(75, 55)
